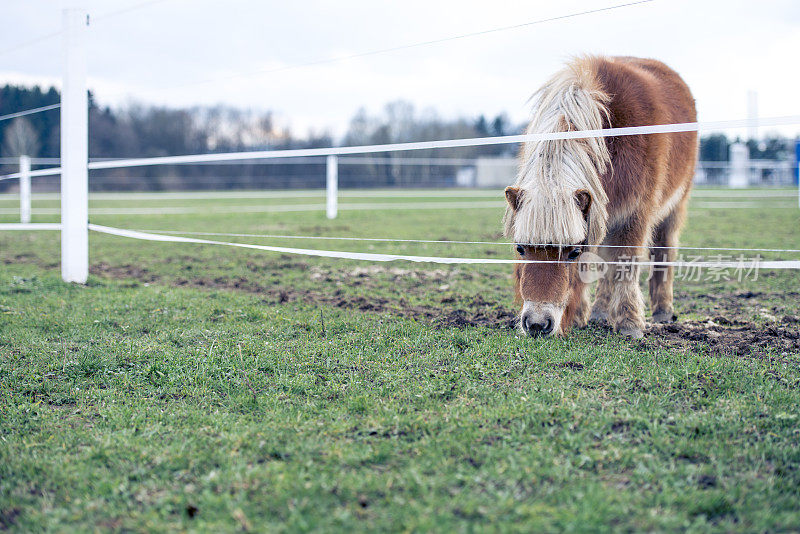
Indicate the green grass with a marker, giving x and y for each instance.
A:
(161, 396)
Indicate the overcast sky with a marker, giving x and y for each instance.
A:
(188, 52)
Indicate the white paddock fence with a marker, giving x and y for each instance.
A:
(332, 163)
(75, 165)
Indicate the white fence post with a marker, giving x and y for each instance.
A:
(740, 163)
(24, 189)
(74, 151)
(797, 162)
(333, 186)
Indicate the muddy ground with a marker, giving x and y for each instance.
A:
(729, 329)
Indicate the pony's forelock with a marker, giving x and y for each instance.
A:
(552, 171)
(547, 216)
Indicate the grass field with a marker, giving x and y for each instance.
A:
(195, 387)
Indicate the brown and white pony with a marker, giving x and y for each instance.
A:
(626, 192)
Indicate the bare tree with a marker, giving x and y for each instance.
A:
(21, 139)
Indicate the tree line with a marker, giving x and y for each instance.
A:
(139, 130)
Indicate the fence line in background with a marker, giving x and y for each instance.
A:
(278, 208)
(320, 160)
(30, 226)
(427, 145)
(34, 161)
(290, 208)
(244, 194)
(29, 112)
(370, 160)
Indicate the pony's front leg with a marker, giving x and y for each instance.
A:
(583, 307)
(665, 238)
(626, 305)
(626, 310)
(602, 297)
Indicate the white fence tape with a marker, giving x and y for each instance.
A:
(368, 256)
(279, 208)
(427, 145)
(251, 194)
(289, 208)
(30, 226)
(439, 241)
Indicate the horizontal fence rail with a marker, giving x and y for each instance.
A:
(371, 256)
(30, 226)
(447, 241)
(356, 206)
(426, 145)
(29, 112)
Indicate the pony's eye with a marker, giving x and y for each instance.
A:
(521, 250)
(574, 253)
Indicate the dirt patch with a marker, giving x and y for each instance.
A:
(726, 333)
(736, 304)
(479, 312)
(577, 366)
(722, 335)
(482, 313)
(8, 518)
(123, 272)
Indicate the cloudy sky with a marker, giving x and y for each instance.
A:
(242, 53)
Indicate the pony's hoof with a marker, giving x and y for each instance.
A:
(631, 332)
(664, 317)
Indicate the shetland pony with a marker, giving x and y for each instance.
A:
(626, 193)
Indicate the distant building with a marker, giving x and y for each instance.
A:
(488, 172)
(498, 172)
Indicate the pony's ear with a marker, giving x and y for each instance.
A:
(513, 196)
(584, 200)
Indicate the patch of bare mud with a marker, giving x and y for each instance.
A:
(479, 312)
(722, 335)
(731, 332)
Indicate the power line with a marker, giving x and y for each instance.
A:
(32, 42)
(29, 112)
(104, 16)
(403, 47)
(128, 9)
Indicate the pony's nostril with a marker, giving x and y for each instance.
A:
(531, 326)
(547, 327)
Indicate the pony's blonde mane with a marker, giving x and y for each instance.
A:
(551, 172)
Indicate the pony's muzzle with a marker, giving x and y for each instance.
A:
(540, 320)
(541, 327)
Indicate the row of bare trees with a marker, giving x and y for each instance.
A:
(149, 131)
